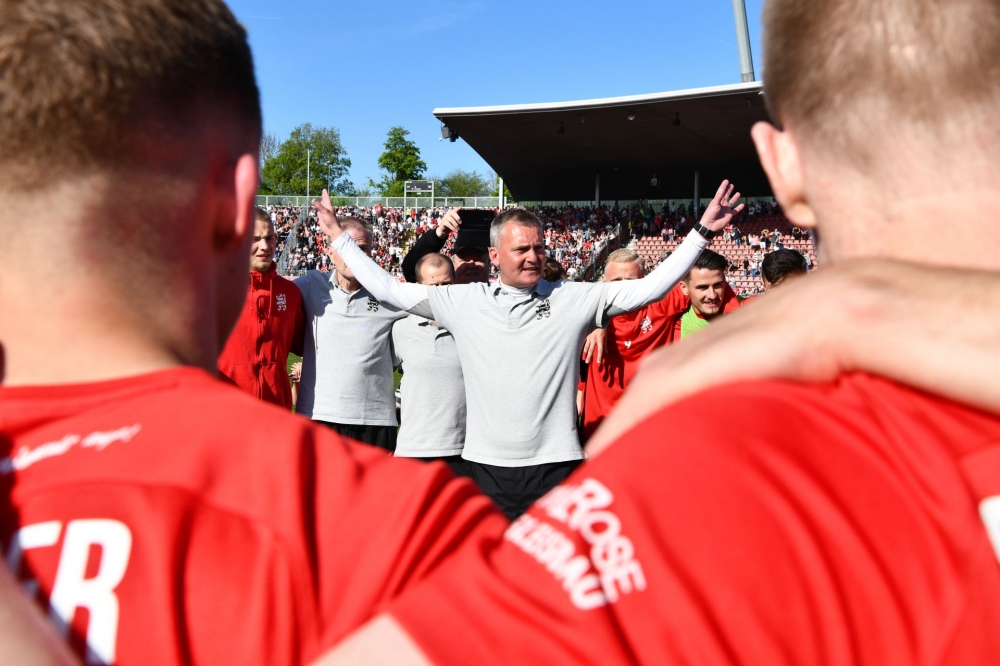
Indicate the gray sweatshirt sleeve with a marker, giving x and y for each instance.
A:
(381, 284)
(628, 295)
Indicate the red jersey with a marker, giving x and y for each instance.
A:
(837, 524)
(630, 338)
(270, 326)
(171, 519)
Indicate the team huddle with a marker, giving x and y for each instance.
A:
(831, 497)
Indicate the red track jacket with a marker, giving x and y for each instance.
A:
(270, 326)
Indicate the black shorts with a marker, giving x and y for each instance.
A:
(514, 489)
(384, 437)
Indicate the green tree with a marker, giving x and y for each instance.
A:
(461, 183)
(327, 161)
(400, 161)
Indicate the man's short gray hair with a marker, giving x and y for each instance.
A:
(519, 216)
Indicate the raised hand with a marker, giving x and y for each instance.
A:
(327, 218)
(449, 223)
(720, 212)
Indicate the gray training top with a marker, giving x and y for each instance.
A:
(347, 361)
(520, 348)
(432, 390)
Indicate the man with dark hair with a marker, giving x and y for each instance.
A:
(855, 521)
(519, 341)
(271, 325)
(158, 514)
(619, 349)
(782, 265)
(708, 291)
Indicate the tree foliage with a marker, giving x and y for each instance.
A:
(269, 145)
(326, 159)
(461, 183)
(400, 161)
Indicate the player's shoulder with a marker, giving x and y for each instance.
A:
(176, 427)
(311, 278)
(285, 285)
(857, 410)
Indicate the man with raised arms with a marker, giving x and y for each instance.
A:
(157, 514)
(519, 342)
(851, 522)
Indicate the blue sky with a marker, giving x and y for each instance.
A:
(363, 67)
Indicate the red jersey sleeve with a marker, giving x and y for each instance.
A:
(725, 543)
(674, 303)
(411, 517)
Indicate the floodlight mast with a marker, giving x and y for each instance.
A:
(743, 41)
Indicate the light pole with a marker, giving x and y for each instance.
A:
(308, 165)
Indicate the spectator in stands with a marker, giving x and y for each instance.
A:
(782, 265)
(347, 381)
(521, 438)
(432, 390)
(158, 515)
(270, 326)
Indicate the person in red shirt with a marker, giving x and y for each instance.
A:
(619, 349)
(854, 521)
(271, 325)
(155, 513)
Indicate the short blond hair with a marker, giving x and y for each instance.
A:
(622, 256)
(843, 72)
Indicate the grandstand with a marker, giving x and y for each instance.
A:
(654, 248)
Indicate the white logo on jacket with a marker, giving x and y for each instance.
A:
(282, 302)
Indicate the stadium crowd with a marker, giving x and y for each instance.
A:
(572, 235)
(831, 497)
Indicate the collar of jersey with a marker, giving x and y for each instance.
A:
(542, 288)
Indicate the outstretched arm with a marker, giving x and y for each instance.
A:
(380, 283)
(629, 295)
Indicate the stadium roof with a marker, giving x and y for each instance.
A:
(524, 145)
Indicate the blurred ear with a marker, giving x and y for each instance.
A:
(684, 289)
(495, 257)
(779, 155)
(236, 210)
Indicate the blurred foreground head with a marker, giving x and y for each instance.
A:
(887, 114)
(130, 129)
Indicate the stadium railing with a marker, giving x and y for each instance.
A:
(387, 202)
